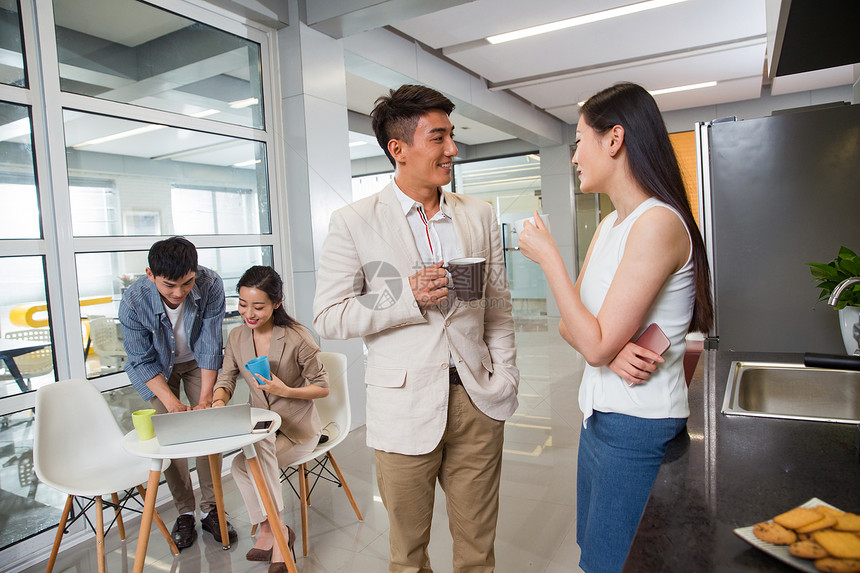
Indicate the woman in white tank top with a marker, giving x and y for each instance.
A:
(646, 264)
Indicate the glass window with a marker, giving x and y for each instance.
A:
(12, 69)
(214, 211)
(19, 217)
(131, 52)
(131, 178)
(26, 351)
(103, 277)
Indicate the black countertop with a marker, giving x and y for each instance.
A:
(733, 471)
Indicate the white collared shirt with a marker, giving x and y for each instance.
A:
(435, 238)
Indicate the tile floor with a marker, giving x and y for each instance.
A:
(536, 523)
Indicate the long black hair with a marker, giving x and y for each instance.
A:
(269, 281)
(655, 168)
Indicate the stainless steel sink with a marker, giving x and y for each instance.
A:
(792, 391)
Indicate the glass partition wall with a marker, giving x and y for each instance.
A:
(121, 122)
(512, 185)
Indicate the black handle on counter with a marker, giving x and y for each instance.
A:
(835, 361)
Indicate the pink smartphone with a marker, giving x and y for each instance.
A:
(653, 339)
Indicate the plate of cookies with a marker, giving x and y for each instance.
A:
(814, 537)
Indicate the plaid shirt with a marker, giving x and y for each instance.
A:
(148, 333)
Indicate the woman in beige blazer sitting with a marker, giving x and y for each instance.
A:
(298, 378)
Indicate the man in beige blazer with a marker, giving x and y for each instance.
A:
(441, 375)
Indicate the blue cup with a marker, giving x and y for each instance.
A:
(259, 365)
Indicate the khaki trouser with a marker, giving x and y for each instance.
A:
(468, 464)
(287, 453)
(177, 475)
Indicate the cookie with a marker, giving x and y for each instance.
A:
(797, 517)
(827, 510)
(842, 544)
(847, 522)
(823, 523)
(807, 550)
(774, 533)
(833, 565)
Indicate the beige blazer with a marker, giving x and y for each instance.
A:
(293, 359)
(363, 291)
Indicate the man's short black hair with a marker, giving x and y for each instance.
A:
(396, 115)
(172, 258)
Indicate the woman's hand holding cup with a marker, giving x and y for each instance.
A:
(535, 242)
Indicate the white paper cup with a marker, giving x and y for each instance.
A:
(518, 225)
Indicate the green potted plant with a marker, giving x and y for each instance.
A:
(827, 276)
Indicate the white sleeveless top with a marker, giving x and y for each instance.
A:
(664, 394)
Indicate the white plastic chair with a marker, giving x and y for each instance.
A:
(106, 341)
(335, 414)
(77, 450)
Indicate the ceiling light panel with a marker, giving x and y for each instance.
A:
(582, 20)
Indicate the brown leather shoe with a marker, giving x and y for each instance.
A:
(184, 531)
(210, 524)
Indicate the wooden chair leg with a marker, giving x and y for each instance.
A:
(254, 530)
(59, 537)
(100, 534)
(303, 493)
(115, 498)
(160, 523)
(345, 486)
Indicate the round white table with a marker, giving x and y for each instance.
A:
(211, 448)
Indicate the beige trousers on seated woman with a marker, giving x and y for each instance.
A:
(271, 462)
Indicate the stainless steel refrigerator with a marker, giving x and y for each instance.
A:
(776, 193)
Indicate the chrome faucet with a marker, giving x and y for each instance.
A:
(834, 300)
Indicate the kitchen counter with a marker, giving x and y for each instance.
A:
(733, 471)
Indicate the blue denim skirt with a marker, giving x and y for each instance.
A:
(619, 456)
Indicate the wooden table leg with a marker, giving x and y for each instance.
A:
(160, 523)
(215, 468)
(272, 512)
(146, 518)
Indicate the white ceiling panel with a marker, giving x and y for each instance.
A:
(816, 80)
(729, 91)
(685, 26)
(732, 90)
(720, 66)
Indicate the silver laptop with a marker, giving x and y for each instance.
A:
(207, 424)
